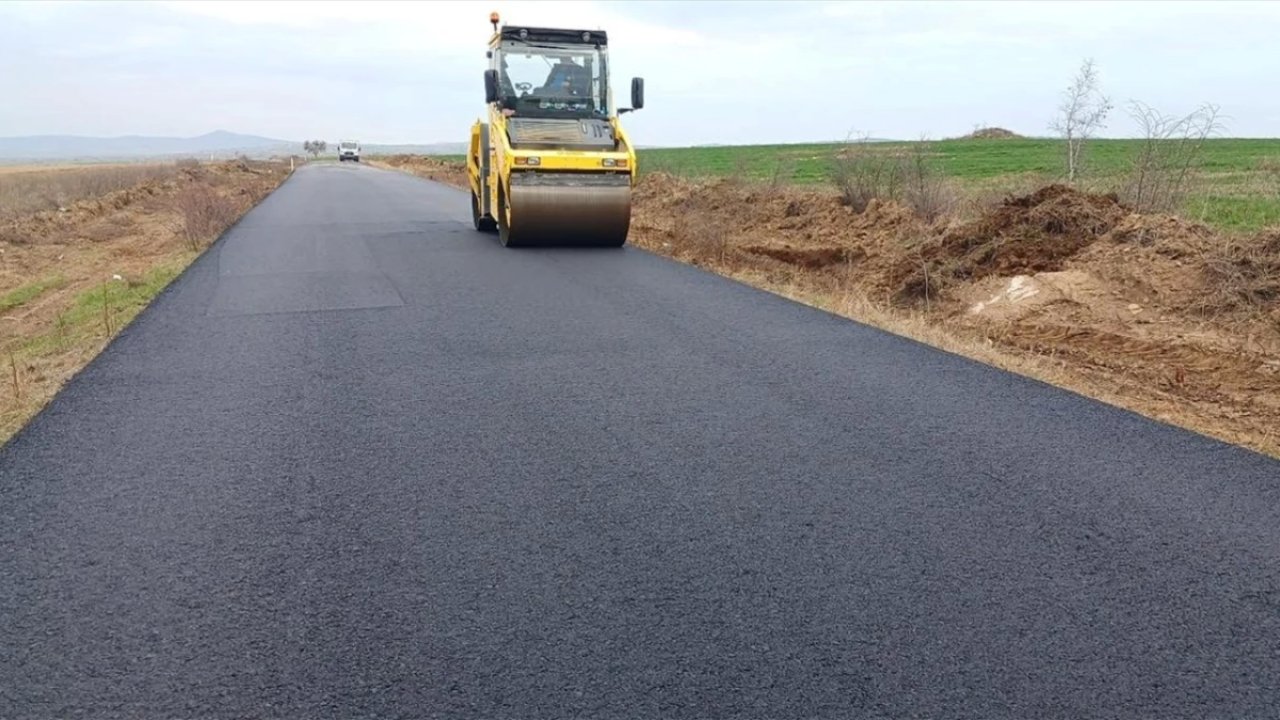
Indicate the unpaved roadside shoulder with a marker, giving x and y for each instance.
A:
(448, 172)
(71, 278)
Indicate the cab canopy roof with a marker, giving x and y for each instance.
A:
(555, 35)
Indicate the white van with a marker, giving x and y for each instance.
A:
(348, 150)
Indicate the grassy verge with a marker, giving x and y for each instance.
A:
(94, 316)
(38, 362)
(73, 276)
(22, 295)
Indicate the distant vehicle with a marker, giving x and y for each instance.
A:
(348, 150)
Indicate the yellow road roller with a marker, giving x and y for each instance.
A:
(552, 165)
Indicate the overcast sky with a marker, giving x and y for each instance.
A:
(715, 72)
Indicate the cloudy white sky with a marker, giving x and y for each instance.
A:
(726, 72)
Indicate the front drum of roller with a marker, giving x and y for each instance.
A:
(567, 209)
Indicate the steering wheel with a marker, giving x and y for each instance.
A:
(524, 87)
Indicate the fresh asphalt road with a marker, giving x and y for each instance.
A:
(362, 461)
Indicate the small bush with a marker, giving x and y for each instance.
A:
(925, 189)
(205, 214)
(862, 173)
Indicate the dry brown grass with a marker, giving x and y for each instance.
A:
(205, 213)
(1244, 274)
(31, 190)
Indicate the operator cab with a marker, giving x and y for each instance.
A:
(544, 73)
(553, 73)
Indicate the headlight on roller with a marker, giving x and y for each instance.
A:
(613, 163)
(528, 161)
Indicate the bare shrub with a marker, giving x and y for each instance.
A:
(1082, 113)
(205, 214)
(862, 173)
(708, 242)
(1168, 157)
(925, 189)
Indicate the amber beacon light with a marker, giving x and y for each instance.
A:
(493, 18)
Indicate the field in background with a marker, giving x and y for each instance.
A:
(1238, 187)
(83, 249)
(962, 158)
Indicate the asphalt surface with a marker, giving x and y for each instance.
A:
(362, 461)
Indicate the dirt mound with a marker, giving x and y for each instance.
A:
(1169, 235)
(1022, 235)
(45, 224)
(754, 209)
(449, 172)
(775, 230)
(991, 133)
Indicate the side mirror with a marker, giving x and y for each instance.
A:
(637, 93)
(490, 86)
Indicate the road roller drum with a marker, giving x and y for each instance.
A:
(561, 209)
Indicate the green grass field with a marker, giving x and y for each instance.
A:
(1237, 186)
(960, 159)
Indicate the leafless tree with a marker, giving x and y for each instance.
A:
(1168, 155)
(1082, 113)
(315, 147)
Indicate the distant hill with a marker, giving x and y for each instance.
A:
(72, 147)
